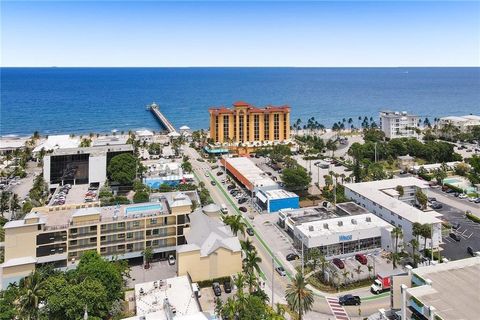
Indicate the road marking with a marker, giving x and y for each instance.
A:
(337, 310)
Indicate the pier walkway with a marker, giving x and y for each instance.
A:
(163, 120)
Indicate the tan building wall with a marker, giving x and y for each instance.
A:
(220, 263)
(241, 124)
(21, 242)
(18, 271)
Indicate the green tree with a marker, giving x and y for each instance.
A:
(421, 198)
(314, 255)
(400, 191)
(251, 262)
(247, 245)
(414, 244)
(122, 168)
(27, 207)
(4, 202)
(187, 167)
(147, 256)
(397, 234)
(296, 178)
(235, 223)
(32, 293)
(14, 203)
(298, 296)
(141, 196)
(8, 303)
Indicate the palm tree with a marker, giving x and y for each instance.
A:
(4, 202)
(370, 268)
(414, 244)
(299, 297)
(235, 223)
(396, 233)
(345, 277)
(247, 245)
(359, 270)
(14, 204)
(314, 255)
(251, 262)
(32, 291)
(251, 281)
(323, 264)
(334, 277)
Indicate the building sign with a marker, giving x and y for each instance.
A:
(345, 237)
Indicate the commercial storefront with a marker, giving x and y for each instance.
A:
(344, 236)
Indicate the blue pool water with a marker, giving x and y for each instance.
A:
(155, 183)
(149, 207)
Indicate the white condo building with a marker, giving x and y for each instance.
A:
(463, 123)
(382, 199)
(398, 124)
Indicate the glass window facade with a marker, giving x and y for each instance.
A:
(347, 247)
(69, 169)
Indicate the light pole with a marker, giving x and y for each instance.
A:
(375, 152)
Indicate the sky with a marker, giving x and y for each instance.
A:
(268, 33)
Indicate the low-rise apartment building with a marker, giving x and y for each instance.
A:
(462, 124)
(384, 200)
(398, 124)
(59, 236)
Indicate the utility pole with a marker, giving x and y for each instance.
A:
(375, 152)
(303, 259)
(431, 240)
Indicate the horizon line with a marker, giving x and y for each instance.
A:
(299, 67)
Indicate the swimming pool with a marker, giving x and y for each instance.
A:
(155, 183)
(461, 183)
(149, 207)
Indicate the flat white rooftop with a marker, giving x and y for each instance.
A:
(454, 291)
(251, 172)
(152, 297)
(341, 225)
(279, 194)
(374, 191)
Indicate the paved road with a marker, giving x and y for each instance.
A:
(451, 200)
(321, 309)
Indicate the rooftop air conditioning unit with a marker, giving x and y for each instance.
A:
(354, 221)
(325, 226)
(310, 228)
(340, 223)
(369, 219)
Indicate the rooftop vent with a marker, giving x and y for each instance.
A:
(325, 226)
(340, 223)
(369, 219)
(310, 228)
(354, 221)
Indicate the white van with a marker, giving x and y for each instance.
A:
(224, 208)
(196, 289)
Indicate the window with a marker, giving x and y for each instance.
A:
(129, 235)
(121, 247)
(155, 232)
(121, 236)
(153, 221)
(130, 246)
(226, 124)
(266, 126)
(93, 240)
(149, 232)
(216, 128)
(136, 223)
(276, 126)
(103, 227)
(103, 238)
(155, 243)
(121, 225)
(256, 127)
(93, 228)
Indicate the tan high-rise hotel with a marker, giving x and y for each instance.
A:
(249, 125)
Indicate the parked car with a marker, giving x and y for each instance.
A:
(213, 183)
(339, 263)
(242, 200)
(227, 286)
(470, 251)
(472, 199)
(463, 196)
(455, 236)
(219, 173)
(478, 200)
(281, 271)
(432, 199)
(361, 258)
(436, 205)
(196, 289)
(216, 289)
(231, 187)
(349, 300)
(292, 256)
(456, 225)
(243, 209)
(171, 260)
(250, 232)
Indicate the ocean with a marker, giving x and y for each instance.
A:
(83, 100)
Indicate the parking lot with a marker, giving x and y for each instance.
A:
(468, 232)
(207, 298)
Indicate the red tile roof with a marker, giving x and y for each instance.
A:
(241, 104)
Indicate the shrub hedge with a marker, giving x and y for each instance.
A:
(208, 283)
(473, 217)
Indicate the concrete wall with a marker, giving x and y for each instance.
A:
(46, 169)
(97, 169)
(21, 242)
(220, 263)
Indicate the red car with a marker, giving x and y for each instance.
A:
(339, 263)
(361, 258)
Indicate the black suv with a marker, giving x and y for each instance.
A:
(227, 287)
(216, 289)
(454, 236)
(349, 300)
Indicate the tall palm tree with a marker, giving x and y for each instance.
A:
(299, 297)
(414, 245)
(345, 277)
(251, 262)
(251, 281)
(235, 223)
(397, 233)
(323, 264)
(32, 290)
(247, 245)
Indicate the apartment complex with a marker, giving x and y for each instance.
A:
(247, 124)
(463, 123)
(438, 292)
(59, 236)
(383, 199)
(398, 124)
(81, 165)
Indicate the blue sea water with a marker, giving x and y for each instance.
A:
(82, 100)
